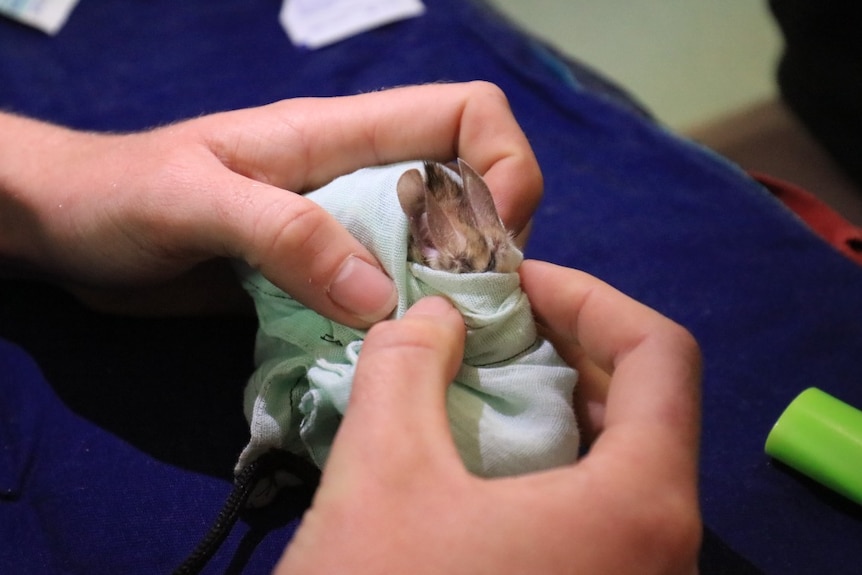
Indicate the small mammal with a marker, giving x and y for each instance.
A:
(454, 226)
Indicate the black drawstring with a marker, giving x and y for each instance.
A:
(263, 468)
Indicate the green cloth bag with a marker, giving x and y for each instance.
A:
(510, 405)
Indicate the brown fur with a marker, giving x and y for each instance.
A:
(454, 227)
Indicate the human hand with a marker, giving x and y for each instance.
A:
(124, 210)
(395, 497)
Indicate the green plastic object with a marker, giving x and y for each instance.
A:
(821, 437)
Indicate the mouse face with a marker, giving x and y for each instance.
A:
(454, 225)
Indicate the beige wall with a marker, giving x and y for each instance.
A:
(687, 60)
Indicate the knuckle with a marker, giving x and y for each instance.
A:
(668, 533)
(680, 538)
(407, 334)
(412, 342)
(296, 229)
(684, 343)
(534, 183)
(486, 89)
(303, 224)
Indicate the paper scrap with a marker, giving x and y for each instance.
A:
(317, 23)
(46, 15)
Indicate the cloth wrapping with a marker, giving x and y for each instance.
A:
(510, 406)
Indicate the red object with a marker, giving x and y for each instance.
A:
(826, 222)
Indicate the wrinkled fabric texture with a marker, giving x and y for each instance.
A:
(510, 405)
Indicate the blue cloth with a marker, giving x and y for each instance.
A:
(773, 307)
(76, 499)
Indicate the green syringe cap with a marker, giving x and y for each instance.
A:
(821, 437)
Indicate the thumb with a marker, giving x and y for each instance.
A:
(393, 457)
(396, 419)
(303, 250)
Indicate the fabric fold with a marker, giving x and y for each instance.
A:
(510, 406)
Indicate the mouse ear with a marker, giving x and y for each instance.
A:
(430, 226)
(445, 216)
(478, 197)
(411, 194)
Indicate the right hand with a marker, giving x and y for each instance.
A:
(395, 496)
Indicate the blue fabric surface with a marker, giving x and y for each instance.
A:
(774, 308)
(105, 469)
(76, 499)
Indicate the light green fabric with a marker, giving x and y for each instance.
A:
(510, 404)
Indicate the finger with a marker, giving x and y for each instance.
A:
(642, 469)
(300, 248)
(397, 409)
(302, 144)
(591, 393)
(654, 363)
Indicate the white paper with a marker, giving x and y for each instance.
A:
(46, 15)
(318, 23)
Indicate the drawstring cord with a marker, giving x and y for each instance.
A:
(246, 485)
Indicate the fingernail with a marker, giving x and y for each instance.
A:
(364, 290)
(431, 305)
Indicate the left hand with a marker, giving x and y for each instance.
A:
(124, 210)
